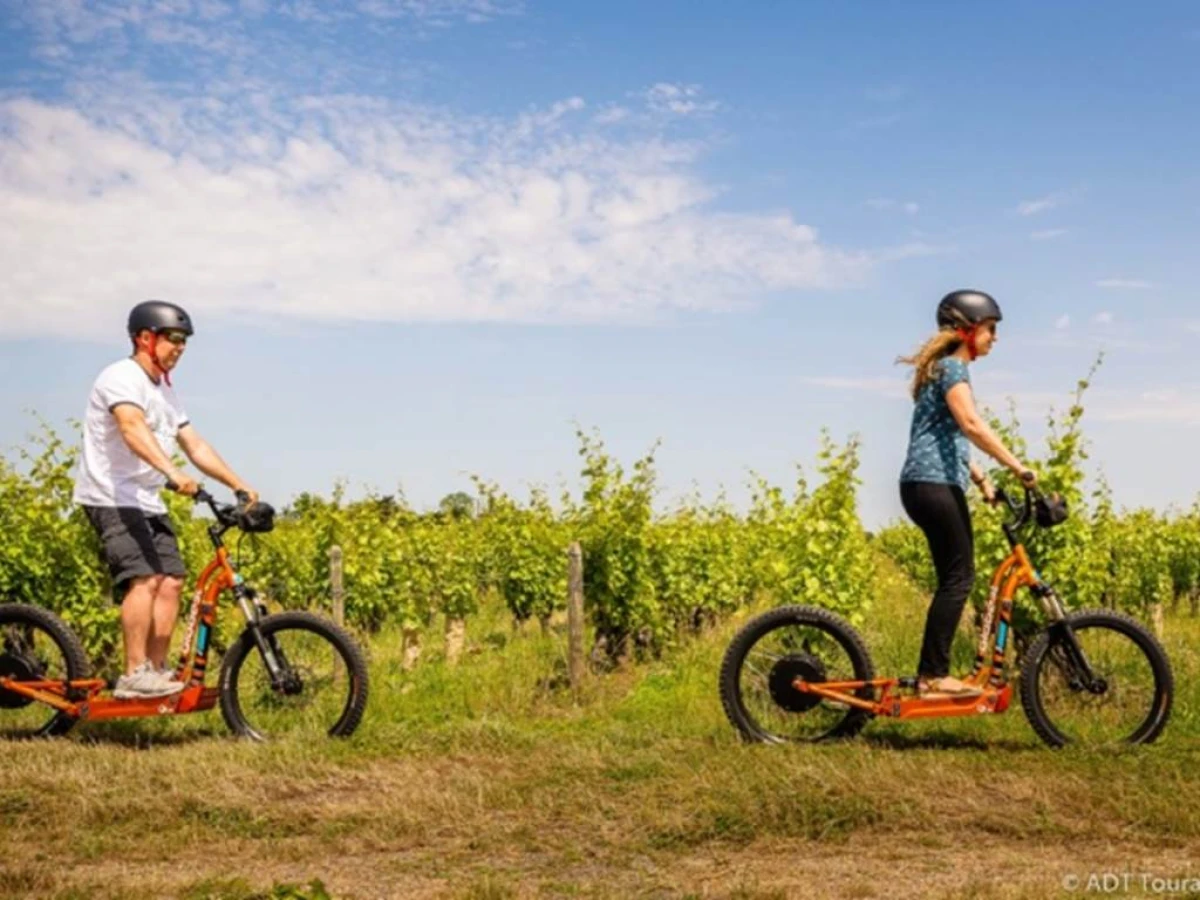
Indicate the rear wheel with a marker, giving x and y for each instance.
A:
(1128, 697)
(322, 683)
(775, 649)
(36, 645)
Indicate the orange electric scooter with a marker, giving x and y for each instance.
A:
(287, 671)
(802, 673)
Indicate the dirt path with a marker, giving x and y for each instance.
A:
(888, 865)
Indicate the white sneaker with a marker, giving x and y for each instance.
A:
(144, 682)
(168, 676)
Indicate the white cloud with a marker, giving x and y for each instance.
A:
(1169, 405)
(887, 203)
(1102, 318)
(1128, 284)
(1165, 406)
(1158, 406)
(1047, 234)
(678, 99)
(611, 115)
(1042, 204)
(440, 11)
(217, 27)
(352, 208)
(1064, 321)
(62, 26)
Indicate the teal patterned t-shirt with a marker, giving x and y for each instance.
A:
(938, 451)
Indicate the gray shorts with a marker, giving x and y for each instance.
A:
(135, 544)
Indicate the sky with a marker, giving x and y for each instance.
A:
(426, 239)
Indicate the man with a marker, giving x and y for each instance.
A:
(133, 417)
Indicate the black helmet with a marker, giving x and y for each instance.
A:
(963, 309)
(158, 315)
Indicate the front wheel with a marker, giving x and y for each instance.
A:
(320, 686)
(775, 649)
(1112, 684)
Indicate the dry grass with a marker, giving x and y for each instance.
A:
(487, 782)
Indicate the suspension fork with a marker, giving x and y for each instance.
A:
(273, 657)
(1079, 670)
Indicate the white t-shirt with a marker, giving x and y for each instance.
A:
(110, 474)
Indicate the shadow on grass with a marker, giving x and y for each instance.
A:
(944, 740)
(142, 735)
(108, 737)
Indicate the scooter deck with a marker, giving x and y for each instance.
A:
(891, 704)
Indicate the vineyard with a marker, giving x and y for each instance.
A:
(477, 775)
(651, 578)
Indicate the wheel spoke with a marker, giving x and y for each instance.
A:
(36, 646)
(321, 688)
(770, 655)
(1122, 704)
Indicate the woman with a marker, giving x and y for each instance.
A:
(933, 483)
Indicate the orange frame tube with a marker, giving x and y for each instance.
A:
(1012, 574)
(195, 697)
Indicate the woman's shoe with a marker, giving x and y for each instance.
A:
(946, 686)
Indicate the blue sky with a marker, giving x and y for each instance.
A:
(424, 238)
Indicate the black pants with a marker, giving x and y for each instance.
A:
(940, 510)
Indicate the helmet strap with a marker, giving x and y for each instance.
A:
(152, 349)
(968, 338)
(166, 376)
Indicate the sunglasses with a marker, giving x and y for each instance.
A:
(178, 338)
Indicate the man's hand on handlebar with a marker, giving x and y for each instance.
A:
(189, 487)
(182, 484)
(246, 496)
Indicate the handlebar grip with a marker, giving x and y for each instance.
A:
(201, 495)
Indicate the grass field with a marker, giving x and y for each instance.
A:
(488, 781)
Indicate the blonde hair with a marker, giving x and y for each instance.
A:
(928, 355)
